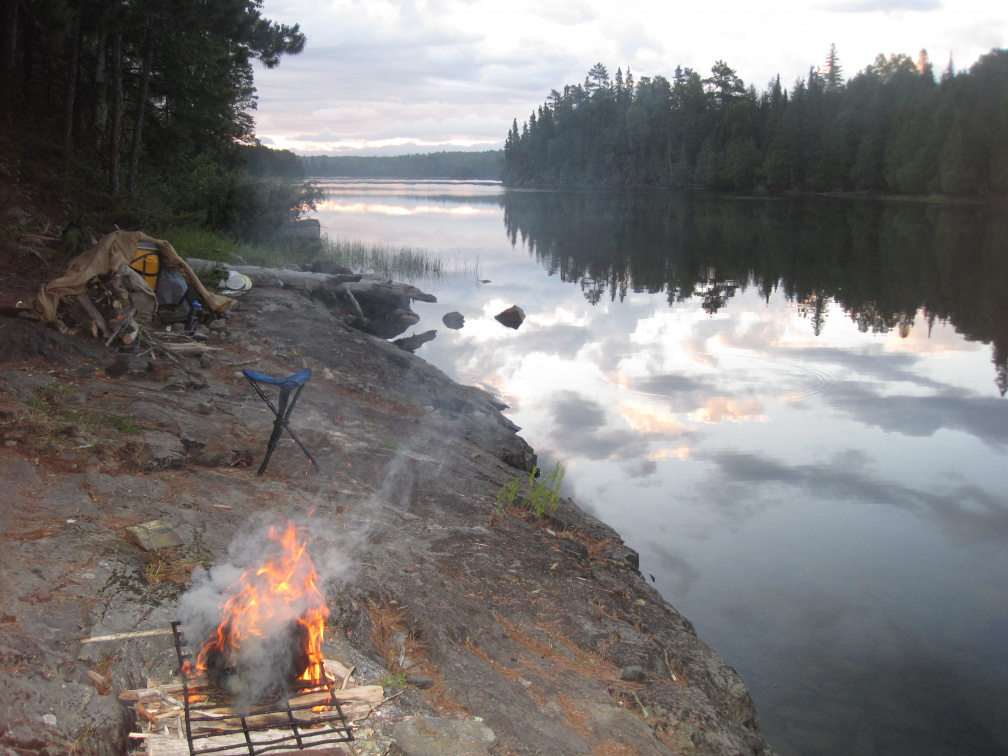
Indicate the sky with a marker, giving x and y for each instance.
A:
(417, 76)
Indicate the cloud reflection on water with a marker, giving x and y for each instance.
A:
(826, 503)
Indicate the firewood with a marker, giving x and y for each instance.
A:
(337, 669)
(93, 313)
(165, 689)
(145, 715)
(125, 636)
(360, 699)
(126, 322)
(130, 337)
(370, 694)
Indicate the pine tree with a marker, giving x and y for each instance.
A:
(832, 71)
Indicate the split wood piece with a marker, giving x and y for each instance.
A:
(118, 290)
(168, 689)
(84, 301)
(173, 688)
(347, 678)
(366, 694)
(277, 719)
(78, 318)
(127, 636)
(188, 348)
(129, 338)
(166, 744)
(126, 322)
(362, 694)
(339, 671)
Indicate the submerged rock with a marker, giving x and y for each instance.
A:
(454, 320)
(412, 343)
(512, 317)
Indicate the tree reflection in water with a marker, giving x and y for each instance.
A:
(881, 262)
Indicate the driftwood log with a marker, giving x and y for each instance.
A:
(377, 306)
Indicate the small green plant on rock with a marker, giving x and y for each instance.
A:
(543, 496)
(397, 680)
(506, 496)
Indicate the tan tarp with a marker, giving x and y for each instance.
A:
(107, 256)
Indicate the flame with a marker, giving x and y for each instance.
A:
(267, 599)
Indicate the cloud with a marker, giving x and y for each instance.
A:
(670, 385)
(442, 71)
(886, 6)
(573, 413)
(964, 512)
(568, 13)
(982, 417)
(681, 572)
(579, 427)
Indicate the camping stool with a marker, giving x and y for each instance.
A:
(283, 412)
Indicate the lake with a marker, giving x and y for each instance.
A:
(794, 409)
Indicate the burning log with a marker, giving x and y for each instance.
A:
(271, 628)
(286, 655)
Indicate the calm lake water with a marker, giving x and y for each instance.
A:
(792, 408)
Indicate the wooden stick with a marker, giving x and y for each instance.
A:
(124, 323)
(124, 636)
(93, 313)
(346, 677)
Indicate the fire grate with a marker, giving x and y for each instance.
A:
(283, 723)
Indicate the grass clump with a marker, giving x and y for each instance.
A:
(406, 263)
(366, 258)
(542, 497)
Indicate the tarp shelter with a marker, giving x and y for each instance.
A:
(107, 256)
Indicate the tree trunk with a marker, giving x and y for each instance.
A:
(8, 51)
(100, 120)
(148, 62)
(71, 83)
(117, 110)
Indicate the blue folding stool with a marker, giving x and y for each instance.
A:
(282, 412)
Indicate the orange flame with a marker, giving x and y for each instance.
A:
(267, 599)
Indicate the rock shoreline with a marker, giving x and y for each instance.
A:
(543, 631)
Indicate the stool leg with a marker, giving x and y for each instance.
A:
(278, 427)
(290, 409)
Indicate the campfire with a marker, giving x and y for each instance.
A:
(258, 682)
(272, 626)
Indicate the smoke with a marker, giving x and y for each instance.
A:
(246, 619)
(336, 540)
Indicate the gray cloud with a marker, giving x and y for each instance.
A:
(967, 513)
(985, 418)
(677, 570)
(686, 393)
(573, 413)
(641, 470)
(580, 428)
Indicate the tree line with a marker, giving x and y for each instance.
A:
(154, 97)
(892, 128)
(485, 165)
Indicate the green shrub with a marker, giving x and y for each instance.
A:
(542, 497)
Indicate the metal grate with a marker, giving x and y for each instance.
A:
(273, 724)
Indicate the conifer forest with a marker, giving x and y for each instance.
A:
(896, 127)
